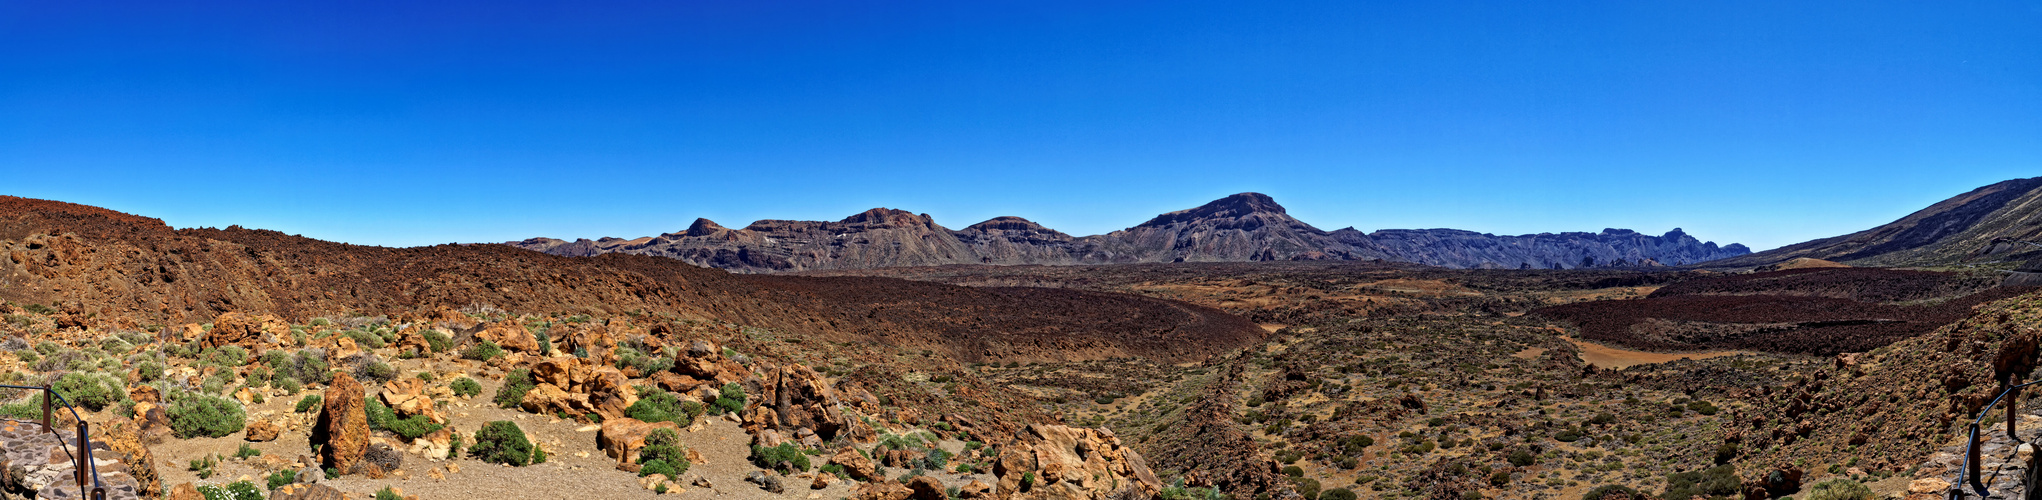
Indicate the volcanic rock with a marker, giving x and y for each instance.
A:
(343, 428)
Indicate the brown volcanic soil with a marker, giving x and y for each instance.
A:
(1810, 311)
(96, 265)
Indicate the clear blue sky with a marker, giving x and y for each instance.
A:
(406, 123)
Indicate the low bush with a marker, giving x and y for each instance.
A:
(1307, 487)
(309, 403)
(288, 384)
(375, 372)
(774, 458)
(1601, 492)
(1840, 489)
(465, 387)
(730, 399)
(148, 371)
(307, 366)
(93, 391)
(238, 490)
(504, 443)
(281, 478)
(414, 427)
(1718, 480)
(193, 415)
(665, 407)
(436, 341)
(483, 351)
(380, 415)
(226, 356)
(1337, 494)
(515, 385)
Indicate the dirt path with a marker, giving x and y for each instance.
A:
(1603, 356)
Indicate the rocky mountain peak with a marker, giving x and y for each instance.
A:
(704, 227)
(1007, 223)
(1231, 207)
(888, 217)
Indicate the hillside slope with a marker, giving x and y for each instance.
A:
(1240, 228)
(1986, 224)
(101, 267)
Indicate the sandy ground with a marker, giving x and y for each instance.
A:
(576, 468)
(1603, 356)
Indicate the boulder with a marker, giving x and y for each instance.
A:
(549, 399)
(185, 491)
(622, 437)
(927, 488)
(127, 438)
(975, 490)
(343, 428)
(1072, 463)
(856, 465)
(882, 491)
(262, 430)
(145, 394)
(795, 398)
(406, 396)
(252, 332)
(306, 492)
(436, 445)
(767, 480)
(512, 336)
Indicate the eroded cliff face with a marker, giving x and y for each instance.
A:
(1240, 228)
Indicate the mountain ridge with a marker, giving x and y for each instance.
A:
(1987, 224)
(1237, 228)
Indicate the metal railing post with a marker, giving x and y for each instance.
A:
(83, 456)
(1971, 462)
(47, 396)
(2013, 405)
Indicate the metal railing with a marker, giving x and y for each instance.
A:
(82, 459)
(1970, 472)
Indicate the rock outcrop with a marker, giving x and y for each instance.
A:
(254, 332)
(1059, 462)
(343, 428)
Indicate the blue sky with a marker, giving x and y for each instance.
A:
(407, 123)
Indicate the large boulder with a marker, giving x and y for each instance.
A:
(343, 428)
(1070, 463)
(262, 430)
(794, 397)
(927, 488)
(855, 464)
(127, 438)
(512, 337)
(252, 332)
(889, 490)
(621, 438)
(407, 397)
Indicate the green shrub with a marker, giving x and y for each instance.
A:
(773, 457)
(1293, 471)
(730, 399)
(375, 373)
(483, 351)
(27, 355)
(1839, 489)
(1499, 478)
(193, 415)
(515, 385)
(437, 341)
(1615, 489)
(1725, 452)
(388, 494)
(504, 443)
(380, 415)
(366, 339)
(664, 444)
(246, 451)
(1523, 458)
(1338, 494)
(1718, 480)
(664, 407)
(225, 356)
(307, 366)
(465, 387)
(1306, 486)
(281, 478)
(288, 384)
(309, 403)
(93, 391)
(414, 427)
(30, 408)
(658, 467)
(1568, 435)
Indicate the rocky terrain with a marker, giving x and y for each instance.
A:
(236, 363)
(1240, 228)
(1985, 225)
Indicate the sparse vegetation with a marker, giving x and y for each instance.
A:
(504, 443)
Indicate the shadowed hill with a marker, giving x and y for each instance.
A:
(101, 266)
(1987, 224)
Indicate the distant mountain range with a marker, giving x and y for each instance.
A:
(1988, 224)
(1242, 227)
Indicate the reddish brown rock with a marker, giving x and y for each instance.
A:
(927, 488)
(407, 397)
(882, 491)
(252, 332)
(185, 491)
(1072, 463)
(262, 430)
(512, 336)
(621, 438)
(856, 465)
(343, 428)
(975, 490)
